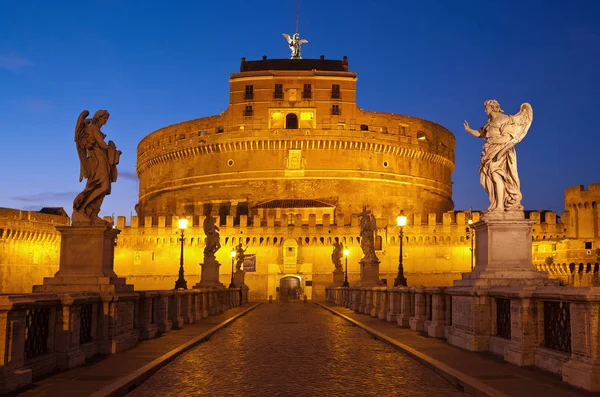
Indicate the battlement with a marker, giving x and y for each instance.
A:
(579, 196)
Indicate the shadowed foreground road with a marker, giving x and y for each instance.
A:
(294, 349)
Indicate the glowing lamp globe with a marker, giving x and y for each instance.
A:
(182, 223)
(401, 219)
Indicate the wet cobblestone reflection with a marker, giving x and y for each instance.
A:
(294, 349)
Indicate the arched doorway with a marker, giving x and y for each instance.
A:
(291, 121)
(289, 288)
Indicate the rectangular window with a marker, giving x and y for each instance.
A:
(249, 92)
(307, 93)
(248, 110)
(278, 93)
(588, 245)
(335, 91)
(335, 110)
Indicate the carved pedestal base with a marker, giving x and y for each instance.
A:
(338, 279)
(238, 278)
(369, 273)
(86, 262)
(209, 276)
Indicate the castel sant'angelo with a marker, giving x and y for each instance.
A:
(285, 170)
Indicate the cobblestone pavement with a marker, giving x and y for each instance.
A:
(294, 349)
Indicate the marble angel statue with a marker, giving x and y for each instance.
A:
(294, 42)
(336, 255)
(98, 164)
(498, 167)
(368, 227)
(212, 241)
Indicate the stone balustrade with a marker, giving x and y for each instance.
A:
(43, 332)
(553, 328)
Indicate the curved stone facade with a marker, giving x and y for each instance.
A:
(293, 130)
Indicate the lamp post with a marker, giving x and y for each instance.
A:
(471, 235)
(181, 283)
(346, 253)
(232, 253)
(400, 280)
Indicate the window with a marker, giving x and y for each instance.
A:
(364, 127)
(220, 129)
(307, 93)
(588, 245)
(291, 122)
(249, 92)
(278, 93)
(248, 110)
(335, 91)
(335, 110)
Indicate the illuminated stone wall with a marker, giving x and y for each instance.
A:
(29, 248)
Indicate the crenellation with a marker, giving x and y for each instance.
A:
(135, 222)
(534, 216)
(243, 221)
(447, 218)
(121, 222)
(162, 221)
(148, 221)
(431, 219)
(326, 220)
(312, 220)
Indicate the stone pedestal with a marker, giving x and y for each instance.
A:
(238, 278)
(209, 276)
(86, 262)
(503, 253)
(369, 273)
(503, 259)
(338, 278)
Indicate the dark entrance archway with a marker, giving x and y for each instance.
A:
(289, 288)
(291, 122)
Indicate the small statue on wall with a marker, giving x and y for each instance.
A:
(368, 227)
(212, 241)
(98, 164)
(336, 256)
(294, 42)
(239, 257)
(498, 166)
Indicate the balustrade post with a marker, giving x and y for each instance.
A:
(406, 307)
(12, 351)
(186, 306)
(175, 312)
(162, 317)
(393, 296)
(417, 320)
(146, 325)
(67, 334)
(435, 324)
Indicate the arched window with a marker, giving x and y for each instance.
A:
(291, 122)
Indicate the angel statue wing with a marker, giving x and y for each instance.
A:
(287, 37)
(522, 122)
(302, 41)
(81, 144)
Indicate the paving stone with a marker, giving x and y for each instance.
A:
(294, 349)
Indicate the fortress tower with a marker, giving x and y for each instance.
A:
(294, 138)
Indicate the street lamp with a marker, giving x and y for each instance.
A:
(470, 230)
(181, 283)
(232, 253)
(346, 253)
(400, 280)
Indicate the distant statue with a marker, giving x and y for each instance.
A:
(212, 241)
(239, 257)
(98, 164)
(336, 256)
(294, 43)
(368, 227)
(498, 167)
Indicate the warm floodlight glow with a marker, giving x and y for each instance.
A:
(401, 219)
(182, 223)
(346, 252)
(232, 253)
(470, 221)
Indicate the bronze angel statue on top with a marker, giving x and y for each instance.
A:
(294, 42)
(98, 164)
(498, 167)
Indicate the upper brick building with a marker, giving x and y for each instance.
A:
(292, 131)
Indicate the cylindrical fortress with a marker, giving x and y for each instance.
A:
(293, 131)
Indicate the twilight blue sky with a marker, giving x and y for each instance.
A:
(152, 64)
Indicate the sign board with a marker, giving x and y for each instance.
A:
(249, 262)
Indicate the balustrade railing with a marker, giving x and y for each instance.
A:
(45, 332)
(557, 326)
